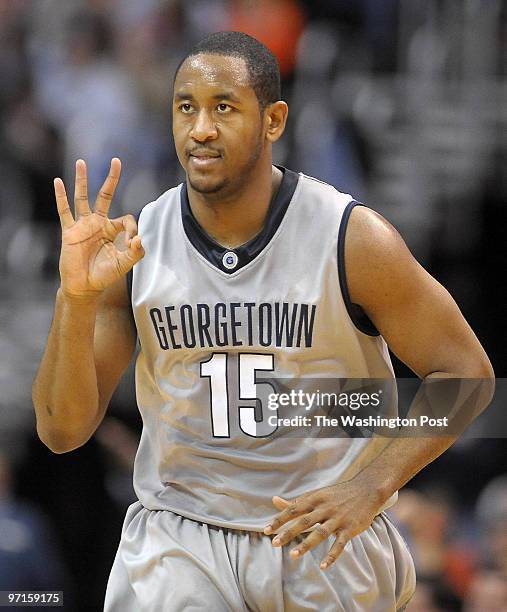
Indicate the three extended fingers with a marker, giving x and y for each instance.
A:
(82, 207)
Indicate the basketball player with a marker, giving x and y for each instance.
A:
(243, 270)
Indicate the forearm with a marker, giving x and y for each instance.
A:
(65, 390)
(400, 461)
(459, 399)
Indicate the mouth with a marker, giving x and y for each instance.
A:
(203, 159)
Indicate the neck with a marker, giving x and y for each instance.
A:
(234, 219)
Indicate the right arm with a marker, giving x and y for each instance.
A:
(90, 345)
(92, 337)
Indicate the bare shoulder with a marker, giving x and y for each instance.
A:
(414, 313)
(365, 225)
(377, 259)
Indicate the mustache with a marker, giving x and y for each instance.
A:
(204, 151)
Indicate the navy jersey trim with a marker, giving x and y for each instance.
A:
(356, 313)
(130, 273)
(215, 253)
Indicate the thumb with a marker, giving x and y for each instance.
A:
(130, 256)
(279, 503)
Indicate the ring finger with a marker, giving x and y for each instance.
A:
(62, 204)
(316, 537)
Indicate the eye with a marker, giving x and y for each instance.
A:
(223, 108)
(185, 108)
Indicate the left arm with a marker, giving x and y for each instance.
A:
(424, 327)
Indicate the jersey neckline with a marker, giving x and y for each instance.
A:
(231, 260)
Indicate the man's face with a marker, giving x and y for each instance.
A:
(217, 125)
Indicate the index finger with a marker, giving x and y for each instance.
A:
(62, 204)
(293, 510)
(106, 193)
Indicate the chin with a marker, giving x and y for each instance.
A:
(205, 185)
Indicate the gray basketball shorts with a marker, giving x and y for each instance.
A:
(168, 563)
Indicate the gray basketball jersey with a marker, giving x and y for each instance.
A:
(211, 323)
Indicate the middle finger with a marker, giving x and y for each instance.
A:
(81, 205)
(299, 525)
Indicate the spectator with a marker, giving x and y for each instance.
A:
(488, 593)
(276, 23)
(426, 519)
(491, 513)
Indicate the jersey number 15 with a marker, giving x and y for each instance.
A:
(251, 421)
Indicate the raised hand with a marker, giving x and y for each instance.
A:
(90, 261)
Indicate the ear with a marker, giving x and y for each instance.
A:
(275, 117)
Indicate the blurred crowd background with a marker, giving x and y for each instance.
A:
(401, 102)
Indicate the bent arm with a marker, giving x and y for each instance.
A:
(413, 312)
(421, 324)
(90, 344)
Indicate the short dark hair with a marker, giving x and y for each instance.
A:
(262, 65)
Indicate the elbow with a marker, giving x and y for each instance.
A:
(60, 442)
(489, 376)
(482, 368)
(476, 371)
(60, 434)
(476, 366)
(484, 374)
(487, 370)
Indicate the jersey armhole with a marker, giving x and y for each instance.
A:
(360, 319)
(130, 275)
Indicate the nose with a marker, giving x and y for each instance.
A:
(204, 128)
